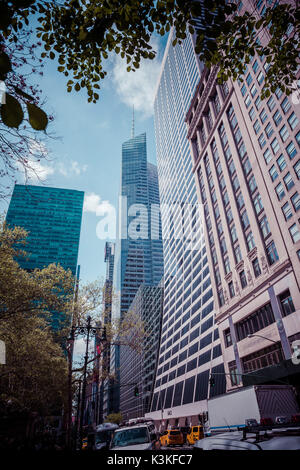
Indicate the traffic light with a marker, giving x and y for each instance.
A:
(212, 382)
(136, 391)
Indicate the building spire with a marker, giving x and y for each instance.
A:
(132, 127)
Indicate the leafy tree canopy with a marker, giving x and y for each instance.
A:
(81, 34)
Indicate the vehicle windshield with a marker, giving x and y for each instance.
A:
(103, 436)
(130, 437)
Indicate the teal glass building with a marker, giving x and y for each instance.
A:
(52, 218)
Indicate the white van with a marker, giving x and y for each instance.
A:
(138, 437)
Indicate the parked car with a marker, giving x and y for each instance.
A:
(172, 437)
(268, 439)
(138, 437)
(196, 433)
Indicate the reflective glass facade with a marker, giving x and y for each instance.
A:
(138, 258)
(52, 218)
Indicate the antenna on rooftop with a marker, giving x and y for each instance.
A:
(132, 127)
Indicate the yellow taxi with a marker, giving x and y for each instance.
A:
(172, 437)
(84, 443)
(196, 433)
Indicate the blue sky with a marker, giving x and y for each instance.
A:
(87, 154)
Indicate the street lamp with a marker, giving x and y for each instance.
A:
(89, 330)
(260, 336)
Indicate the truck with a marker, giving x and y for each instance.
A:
(264, 404)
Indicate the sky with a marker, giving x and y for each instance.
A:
(86, 153)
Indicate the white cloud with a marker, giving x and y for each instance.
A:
(72, 168)
(94, 203)
(137, 88)
(35, 171)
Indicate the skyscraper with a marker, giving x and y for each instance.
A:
(52, 217)
(139, 257)
(190, 347)
(245, 154)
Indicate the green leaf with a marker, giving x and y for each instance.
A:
(37, 117)
(11, 112)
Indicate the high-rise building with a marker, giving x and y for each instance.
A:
(106, 384)
(139, 255)
(190, 347)
(246, 161)
(52, 218)
(138, 367)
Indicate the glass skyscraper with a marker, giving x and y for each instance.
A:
(190, 347)
(138, 257)
(52, 218)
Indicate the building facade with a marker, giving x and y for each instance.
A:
(245, 156)
(139, 366)
(52, 218)
(106, 385)
(190, 347)
(139, 255)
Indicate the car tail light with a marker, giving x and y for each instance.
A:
(266, 421)
(296, 418)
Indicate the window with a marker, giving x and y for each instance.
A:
(293, 121)
(268, 156)
(287, 211)
(221, 297)
(223, 246)
(227, 338)
(297, 169)
(262, 141)
(269, 130)
(255, 66)
(260, 78)
(264, 226)
(291, 150)
(263, 116)
(235, 183)
(280, 191)
(243, 89)
(288, 181)
(258, 102)
(256, 267)
(231, 289)
(272, 254)
(294, 232)
(233, 233)
(277, 118)
(284, 133)
(256, 126)
(247, 101)
(243, 279)
(249, 79)
(233, 372)
(229, 215)
(296, 201)
(252, 113)
(278, 93)
(273, 173)
(250, 241)
(281, 162)
(237, 254)
(285, 105)
(227, 265)
(231, 168)
(244, 220)
(275, 145)
(271, 103)
(253, 90)
(298, 138)
(247, 166)
(252, 184)
(286, 303)
(258, 205)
